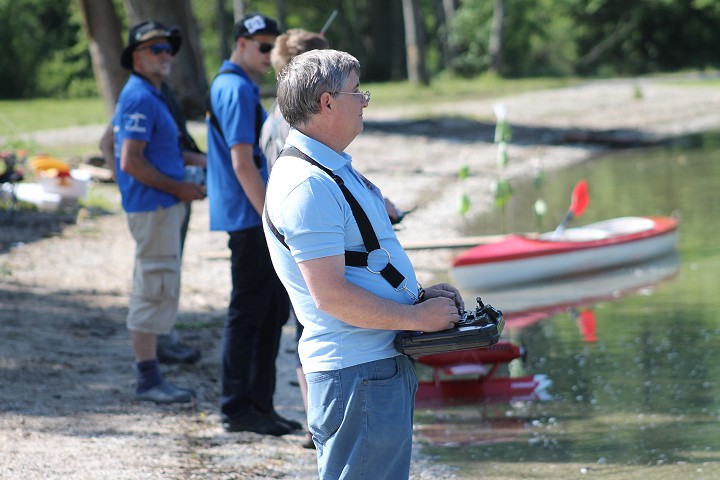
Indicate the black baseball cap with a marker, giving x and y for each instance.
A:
(255, 24)
(148, 30)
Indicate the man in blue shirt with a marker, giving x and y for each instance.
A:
(236, 179)
(361, 390)
(150, 169)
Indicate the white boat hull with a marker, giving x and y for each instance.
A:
(493, 275)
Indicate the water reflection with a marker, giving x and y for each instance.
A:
(467, 382)
(647, 391)
(530, 303)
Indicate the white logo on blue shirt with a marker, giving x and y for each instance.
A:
(134, 125)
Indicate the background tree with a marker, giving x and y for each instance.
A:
(223, 22)
(445, 12)
(43, 53)
(280, 14)
(643, 37)
(239, 7)
(102, 27)
(495, 46)
(47, 52)
(415, 42)
(384, 52)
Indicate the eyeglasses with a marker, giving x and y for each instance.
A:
(264, 47)
(366, 95)
(158, 48)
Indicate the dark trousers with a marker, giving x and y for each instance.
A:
(259, 307)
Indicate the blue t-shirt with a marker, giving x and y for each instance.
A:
(142, 114)
(309, 210)
(235, 100)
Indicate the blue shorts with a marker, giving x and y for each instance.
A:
(361, 419)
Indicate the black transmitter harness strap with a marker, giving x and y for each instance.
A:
(352, 259)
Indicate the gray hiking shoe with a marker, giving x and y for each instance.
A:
(166, 392)
(170, 350)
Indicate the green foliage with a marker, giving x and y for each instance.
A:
(503, 192)
(470, 35)
(537, 40)
(598, 37)
(503, 132)
(502, 155)
(464, 172)
(538, 179)
(463, 205)
(31, 31)
(68, 72)
(630, 38)
(205, 15)
(45, 52)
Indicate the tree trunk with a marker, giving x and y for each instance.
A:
(495, 46)
(222, 16)
(102, 27)
(238, 9)
(187, 78)
(348, 22)
(415, 42)
(280, 14)
(383, 41)
(445, 12)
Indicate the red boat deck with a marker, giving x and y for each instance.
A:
(483, 362)
(515, 247)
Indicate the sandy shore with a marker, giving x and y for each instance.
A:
(66, 407)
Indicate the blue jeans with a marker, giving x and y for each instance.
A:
(361, 419)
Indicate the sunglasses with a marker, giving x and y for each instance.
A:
(264, 47)
(159, 48)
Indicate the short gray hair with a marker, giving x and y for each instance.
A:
(309, 75)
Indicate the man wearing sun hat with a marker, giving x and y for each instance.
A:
(169, 347)
(150, 169)
(237, 175)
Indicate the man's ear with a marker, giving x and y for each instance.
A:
(326, 101)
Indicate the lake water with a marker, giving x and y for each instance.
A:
(643, 398)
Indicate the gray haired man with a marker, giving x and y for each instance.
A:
(361, 390)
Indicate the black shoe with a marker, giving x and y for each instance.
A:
(166, 392)
(308, 441)
(169, 350)
(292, 424)
(254, 422)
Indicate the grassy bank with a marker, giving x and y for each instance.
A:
(22, 116)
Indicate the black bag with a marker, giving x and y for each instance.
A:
(478, 329)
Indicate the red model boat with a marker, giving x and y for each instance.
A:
(478, 367)
(520, 259)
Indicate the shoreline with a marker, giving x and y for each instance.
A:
(66, 407)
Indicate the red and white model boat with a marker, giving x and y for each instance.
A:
(520, 259)
(469, 376)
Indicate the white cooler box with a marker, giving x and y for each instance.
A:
(73, 187)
